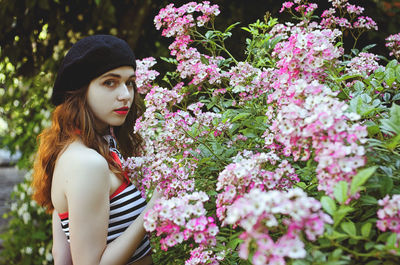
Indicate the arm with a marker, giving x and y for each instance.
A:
(60, 250)
(87, 192)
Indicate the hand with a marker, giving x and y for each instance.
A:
(157, 194)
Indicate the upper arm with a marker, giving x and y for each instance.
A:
(60, 250)
(87, 191)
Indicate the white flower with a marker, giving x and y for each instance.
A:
(28, 250)
(49, 257)
(353, 116)
(26, 217)
(297, 252)
(41, 251)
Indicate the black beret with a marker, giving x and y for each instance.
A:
(89, 58)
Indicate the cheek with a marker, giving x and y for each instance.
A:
(98, 102)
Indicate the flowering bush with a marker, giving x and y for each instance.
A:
(290, 156)
(285, 157)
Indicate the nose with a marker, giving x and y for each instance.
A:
(125, 93)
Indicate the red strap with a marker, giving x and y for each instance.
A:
(116, 159)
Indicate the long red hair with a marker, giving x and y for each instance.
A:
(71, 116)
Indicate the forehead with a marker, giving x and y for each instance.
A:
(123, 72)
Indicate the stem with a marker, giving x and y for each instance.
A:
(355, 253)
(222, 47)
(208, 147)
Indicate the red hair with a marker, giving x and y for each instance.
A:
(68, 118)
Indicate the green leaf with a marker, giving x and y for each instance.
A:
(368, 200)
(340, 191)
(398, 73)
(361, 105)
(204, 60)
(393, 143)
(341, 213)
(392, 64)
(386, 184)
(349, 228)
(234, 243)
(372, 128)
(366, 229)
(366, 48)
(390, 76)
(391, 240)
(394, 119)
(359, 86)
(338, 235)
(232, 26)
(360, 178)
(249, 133)
(240, 116)
(369, 245)
(328, 204)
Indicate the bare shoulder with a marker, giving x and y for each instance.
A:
(81, 165)
(77, 154)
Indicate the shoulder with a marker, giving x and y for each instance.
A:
(78, 156)
(82, 166)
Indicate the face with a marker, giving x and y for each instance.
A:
(110, 96)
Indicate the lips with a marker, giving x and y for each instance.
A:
(122, 111)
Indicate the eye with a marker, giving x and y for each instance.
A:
(110, 83)
(131, 84)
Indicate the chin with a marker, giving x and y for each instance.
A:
(117, 123)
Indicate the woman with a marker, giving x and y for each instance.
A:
(78, 172)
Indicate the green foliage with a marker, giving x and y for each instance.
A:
(26, 240)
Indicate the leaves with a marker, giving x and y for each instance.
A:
(349, 228)
(362, 176)
(340, 191)
(366, 230)
(328, 204)
(392, 124)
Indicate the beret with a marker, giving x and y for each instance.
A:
(87, 59)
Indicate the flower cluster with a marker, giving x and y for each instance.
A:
(259, 212)
(363, 64)
(178, 22)
(353, 12)
(390, 214)
(145, 76)
(393, 44)
(245, 80)
(304, 54)
(201, 255)
(247, 172)
(311, 121)
(179, 219)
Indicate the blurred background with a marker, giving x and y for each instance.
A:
(35, 34)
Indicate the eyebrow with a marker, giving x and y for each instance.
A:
(116, 76)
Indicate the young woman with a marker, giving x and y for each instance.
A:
(78, 172)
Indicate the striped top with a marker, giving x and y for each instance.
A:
(126, 204)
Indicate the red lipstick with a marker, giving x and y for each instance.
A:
(122, 111)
